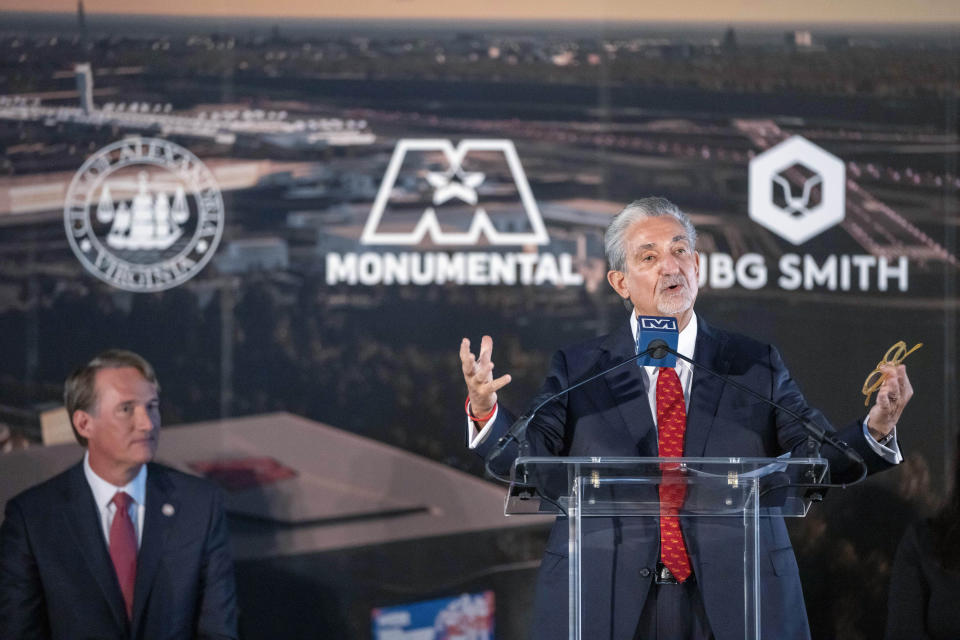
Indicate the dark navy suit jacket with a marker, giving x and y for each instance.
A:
(611, 417)
(57, 580)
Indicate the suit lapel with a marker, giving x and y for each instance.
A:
(157, 520)
(626, 386)
(705, 390)
(83, 521)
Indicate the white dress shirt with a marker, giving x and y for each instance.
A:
(686, 345)
(103, 493)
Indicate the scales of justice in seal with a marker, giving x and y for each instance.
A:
(148, 221)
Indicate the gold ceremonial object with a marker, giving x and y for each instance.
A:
(895, 355)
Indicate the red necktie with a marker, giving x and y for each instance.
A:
(123, 548)
(671, 425)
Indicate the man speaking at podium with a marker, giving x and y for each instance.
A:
(661, 582)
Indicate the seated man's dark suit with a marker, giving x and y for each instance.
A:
(611, 417)
(57, 580)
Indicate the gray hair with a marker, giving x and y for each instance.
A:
(80, 390)
(613, 239)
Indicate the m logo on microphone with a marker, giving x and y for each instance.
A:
(656, 323)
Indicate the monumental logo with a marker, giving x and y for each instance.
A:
(434, 194)
(143, 214)
(798, 191)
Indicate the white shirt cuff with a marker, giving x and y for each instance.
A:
(475, 439)
(890, 451)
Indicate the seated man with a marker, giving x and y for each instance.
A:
(116, 546)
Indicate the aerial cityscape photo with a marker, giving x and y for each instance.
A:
(306, 215)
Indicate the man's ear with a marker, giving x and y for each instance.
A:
(618, 280)
(83, 423)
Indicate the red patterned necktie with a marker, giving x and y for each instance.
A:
(671, 425)
(123, 548)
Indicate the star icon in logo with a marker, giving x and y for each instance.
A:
(455, 183)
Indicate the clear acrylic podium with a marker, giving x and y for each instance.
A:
(742, 490)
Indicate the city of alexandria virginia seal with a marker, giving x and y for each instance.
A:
(144, 214)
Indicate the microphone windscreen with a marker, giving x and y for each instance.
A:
(650, 328)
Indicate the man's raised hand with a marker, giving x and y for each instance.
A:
(482, 387)
(892, 397)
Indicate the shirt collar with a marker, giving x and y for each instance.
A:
(103, 491)
(686, 343)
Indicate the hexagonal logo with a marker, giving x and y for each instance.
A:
(797, 190)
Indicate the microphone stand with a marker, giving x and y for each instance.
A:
(815, 435)
(659, 349)
(517, 431)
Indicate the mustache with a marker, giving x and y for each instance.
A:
(673, 280)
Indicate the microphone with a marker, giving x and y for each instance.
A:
(661, 334)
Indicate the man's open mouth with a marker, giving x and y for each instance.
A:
(675, 286)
